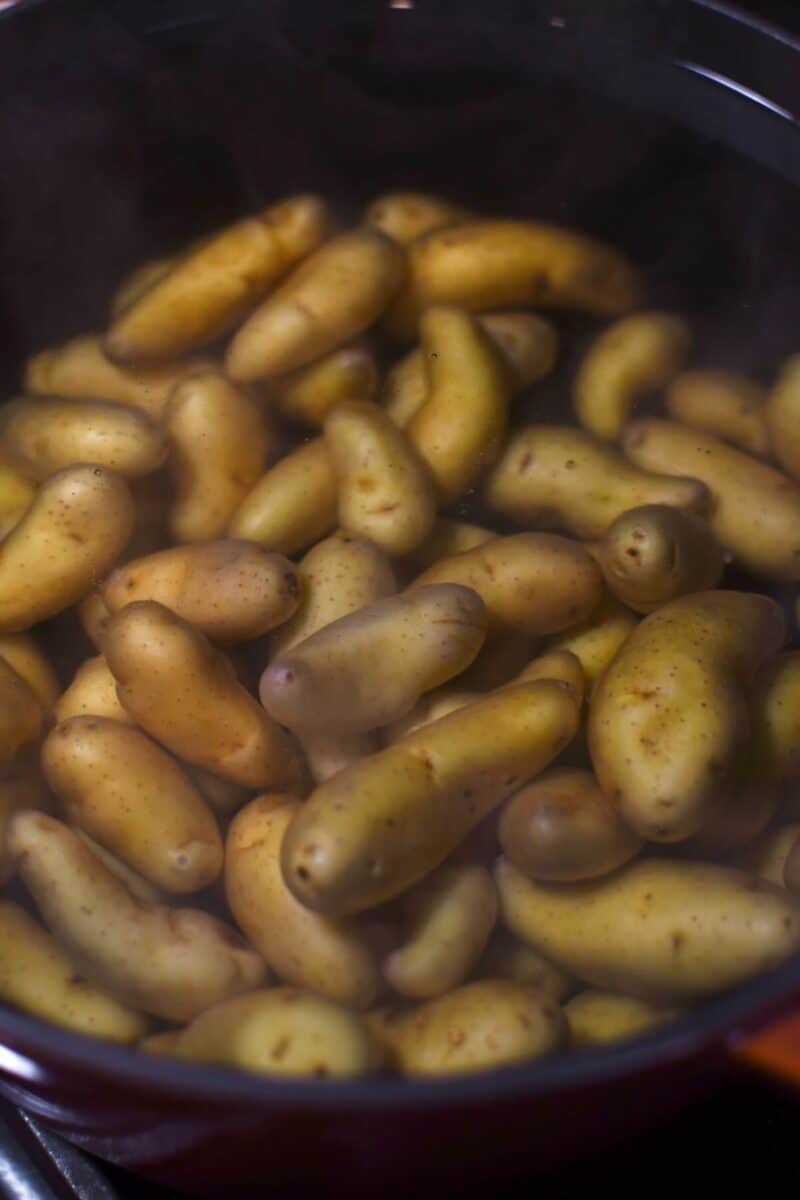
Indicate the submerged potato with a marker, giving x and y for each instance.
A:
(308, 394)
(405, 216)
(596, 1018)
(507, 957)
(16, 495)
(446, 539)
(92, 693)
(723, 403)
(293, 504)
(596, 641)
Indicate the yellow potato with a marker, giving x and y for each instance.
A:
(531, 583)
(557, 477)
(405, 216)
(92, 693)
(656, 929)
(42, 435)
(338, 576)
(755, 510)
(37, 976)
(480, 265)
(450, 916)
(335, 294)
(81, 369)
(631, 358)
(140, 887)
(723, 403)
(224, 796)
(597, 1018)
(170, 962)
(555, 664)
(21, 715)
(372, 831)
(211, 287)
(386, 493)
(71, 535)
(218, 447)
(596, 641)
(459, 430)
(293, 505)
(22, 653)
(131, 797)
(306, 949)
(21, 786)
(94, 616)
(670, 715)
(482, 1026)
(185, 694)
(508, 958)
(138, 281)
(369, 668)
(653, 554)
(446, 539)
(328, 754)
(16, 496)
(308, 394)
(277, 1031)
(231, 590)
(782, 412)
(770, 855)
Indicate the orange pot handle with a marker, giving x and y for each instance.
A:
(775, 1050)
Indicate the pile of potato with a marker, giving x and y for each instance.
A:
(350, 784)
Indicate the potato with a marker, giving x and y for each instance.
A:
(293, 505)
(459, 430)
(596, 641)
(37, 976)
(80, 369)
(385, 490)
(770, 856)
(722, 403)
(277, 1031)
(328, 753)
(93, 693)
(16, 496)
(131, 797)
(670, 714)
(232, 590)
(335, 294)
(557, 477)
(597, 1018)
(656, 929)
(211, 287)
(136, 884)
(485, 1025)
(22, 653)
(170, 962)
(555, 664)
(42, 435)
(508, 958)
(531, 583)
(755, 510)
(781, 412)
(446, 539)
(306, 949)
(224, 796)
(653, 554)
(632, 357)
(94, 616)
(22, 785)
(450, 916)
(71, 535)
(186, 695)
(369, 668)
(338, 576)
(373, 830)
(308, 394)
(21, 715)
(218, 447)
(405, 216)
(480, 265)
(138, 281)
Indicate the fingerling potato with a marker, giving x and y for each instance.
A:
(308, 394)
(596, 641)
(94, 616)
(723, 403)
(782, 413)
(16, 496)
(597, 1018)
(138, 281)
(405, 216)
(770, 855)
(446, 539)
(508, 958)
(92, 693)
(293, 505)
(21, 652)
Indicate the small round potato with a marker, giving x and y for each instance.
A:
(231, 590)
(370, 668)
(653, 554)
(293, 504)
(185, 694)
(656, 929)
(485, 1025)
(304, 948)
(335, 294)
(171, 962)
(42, 435)
(16, 496)
(22, 653)
(218, 447)
(308, 394)
(508, 958)
(557, 477)
(782, 412)
(92, 693)
(405, 216)
(596, 641)
(722, 403)
(562, 828)
(634, 356)
(21, 713)
(131, 797)
(597, 1018)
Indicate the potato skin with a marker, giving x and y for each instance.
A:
(782, 412)
(722, 403)
(231, 590)
(768, 856)
(596, 641)
(446, 539)
(293, 504)
(16, 495)
(507, 957)
(308, 394)
(369, 668)
(755, 510)
(71, 535)
(485, 1025)
(375, 829)
(137, 282)
(405, 216)
(92, 693)
(558, 477)
(128, 794)
(22, 653)
(186, 695)
(597, 1018)
(562, 828)
(658, 930)
(531, 583)
(303, 948)
(669, 716)
(22, 785)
